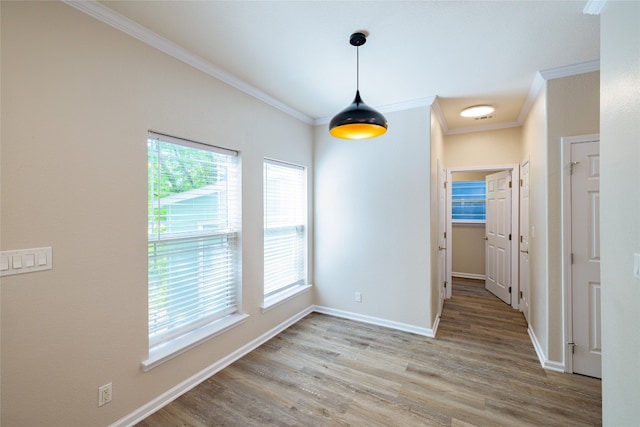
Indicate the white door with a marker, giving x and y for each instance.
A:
(442, 233)
(498, 235)
(585, 249)
(524, 239)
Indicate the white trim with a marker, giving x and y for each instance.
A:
(281, 297)
(434, 330)
(191, 382)
(536, 86)
(570, 70)
(426, 332)
(567, 280)
(127, 26)
(552, 365)
(440, 116)
(407, 105)
(174, 348)
(179, 389)
(483, 128)
(515, 224)
(527, 316)
(544, 362)
(536, 345)
(554, 73)
(594, 7)
(468, 275)
(389, 108)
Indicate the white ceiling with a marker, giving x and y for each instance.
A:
(298, 52)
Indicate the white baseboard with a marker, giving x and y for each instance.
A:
(191, 382)
(436, 324)
(377, 321)
(544, 362)
(468, 276)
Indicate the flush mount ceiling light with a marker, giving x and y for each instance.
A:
(477, 111)
(358, 120)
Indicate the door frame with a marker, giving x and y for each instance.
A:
(567, 286)
(526, 310)
(442, 273)
(515, 222)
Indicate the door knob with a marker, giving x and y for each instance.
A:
(524, 251)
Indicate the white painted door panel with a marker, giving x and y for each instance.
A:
(498, 235)
(585, 247)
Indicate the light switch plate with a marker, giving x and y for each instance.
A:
(25, 261)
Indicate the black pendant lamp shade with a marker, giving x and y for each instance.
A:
(358, 120)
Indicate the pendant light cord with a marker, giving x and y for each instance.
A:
(358, 68)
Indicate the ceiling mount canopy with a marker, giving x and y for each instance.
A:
(358, 120)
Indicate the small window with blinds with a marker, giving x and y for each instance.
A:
(285, 213)
(468, 201)
(193, 221)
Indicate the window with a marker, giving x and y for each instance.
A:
(193, 221)
(468, 201)
(285, 213)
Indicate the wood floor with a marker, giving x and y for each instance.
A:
(481, 370)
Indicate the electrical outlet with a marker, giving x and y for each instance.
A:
(105, 393)
(358, 296)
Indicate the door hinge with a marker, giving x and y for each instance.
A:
(509, 289)
(509, 236)
(509, 184)
(573, 347)
(571, 256)
(445, 234)
(445, 285)
(445, 184)
(520, 183)
(520, 294)
(521, 239)
(571, 165)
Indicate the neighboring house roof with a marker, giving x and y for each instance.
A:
(189, 195)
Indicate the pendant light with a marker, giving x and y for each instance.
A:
(358, 120)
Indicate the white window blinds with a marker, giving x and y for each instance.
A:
(468, 201)
(285, 203)
(193, 220)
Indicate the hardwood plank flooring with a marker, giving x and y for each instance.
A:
(481, 370)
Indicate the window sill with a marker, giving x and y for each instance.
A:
(281, 297)
(169, 350)
(468, 221)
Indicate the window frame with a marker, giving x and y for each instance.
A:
(227, 316)
(454, 201)
(287, 291)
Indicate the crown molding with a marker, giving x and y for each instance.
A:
(106, 15)
(536, 86)
(543, 76)
(127, 26)
(389, 108)
(437, 110)
(570, 70)
(594, 7)
(483, 128)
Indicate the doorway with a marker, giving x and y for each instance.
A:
(514, 171)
